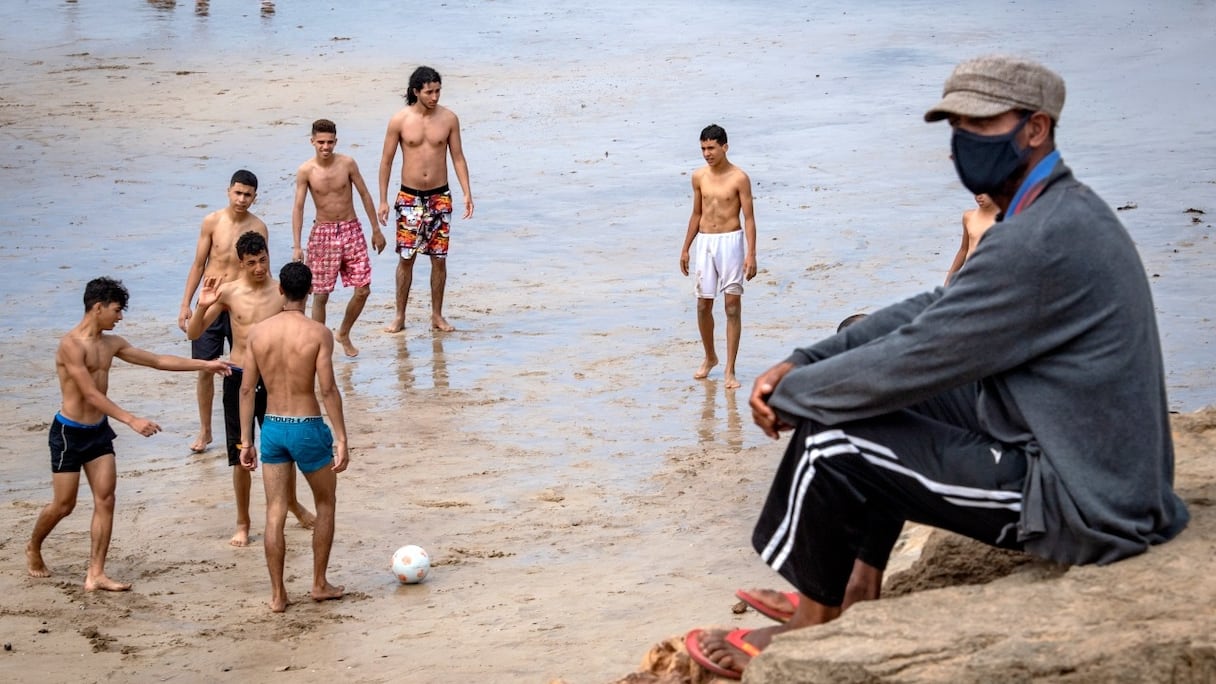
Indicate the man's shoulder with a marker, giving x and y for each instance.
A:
(255, 223)
(213, 219)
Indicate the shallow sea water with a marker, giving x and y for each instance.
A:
(580, 122)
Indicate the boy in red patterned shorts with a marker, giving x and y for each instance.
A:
(335, 243)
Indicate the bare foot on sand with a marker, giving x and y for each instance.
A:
(731, 382)
(328, 592)
(278, 604)
(241, 538)
(439, 323)
(33, 559)
(706, 366)
(201, 443)
(305, 517)
(396, 326)
(103, 583)
(347, 348)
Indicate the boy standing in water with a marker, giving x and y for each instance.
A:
(720, 192)
(215, 256)
(335, 243)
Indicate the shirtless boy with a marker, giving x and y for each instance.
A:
(975, 223)
(720, 192)
(215, 255)
(250, 299)
(426, 134)
(335, 243)
(293, 354)
(80, 435)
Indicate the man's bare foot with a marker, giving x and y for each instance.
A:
(241, 538)
(304, 517)
(278, 604)
(396, 326)
(716, 646)
(33, 560)
(104, 584)
(328, 592)
(347, 348)
(706, 366)
(201, 443)
(778, 605)
(731, 382)
(440, 323)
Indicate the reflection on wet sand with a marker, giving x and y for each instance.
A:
(407, 372)
(439, 363)
(202, 8)
(405, 366)
(710, 428)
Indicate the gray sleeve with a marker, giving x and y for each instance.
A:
(991, 318)
(872, 326)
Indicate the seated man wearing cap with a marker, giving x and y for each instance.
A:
(1054, 440)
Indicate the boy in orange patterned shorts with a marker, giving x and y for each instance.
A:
(336, 243)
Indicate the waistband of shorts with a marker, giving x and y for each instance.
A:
(271, 418)
(425, 193)
(74, 424)
(738, 232)
(353, 223)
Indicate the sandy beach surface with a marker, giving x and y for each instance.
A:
(581, 496)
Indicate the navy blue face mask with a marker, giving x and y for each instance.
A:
(985, 162)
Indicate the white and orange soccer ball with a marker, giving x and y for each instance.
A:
(411, 564)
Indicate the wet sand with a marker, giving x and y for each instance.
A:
(581, 495)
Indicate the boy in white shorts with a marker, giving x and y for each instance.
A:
(725, 247)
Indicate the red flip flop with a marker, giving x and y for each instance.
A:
(767, 610)
(692, 642)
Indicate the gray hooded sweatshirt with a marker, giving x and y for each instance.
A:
(1053, 317)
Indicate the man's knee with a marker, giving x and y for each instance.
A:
(103, 501)
(734, 307)
(362, 292)
(704, 305)
(62, 508)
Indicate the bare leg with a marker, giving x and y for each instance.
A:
(275, 482)
(353, 308)
(439, 281)
(205, 393)
(319, 302)
(103, 478)
(324, 484)
(405, 279)
(241, 482)
(63, 500)
(303, 515)
(865, 584)
(705, 323)
(734, 327)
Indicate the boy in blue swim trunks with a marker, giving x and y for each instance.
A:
(293, 354)
(81, 437)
